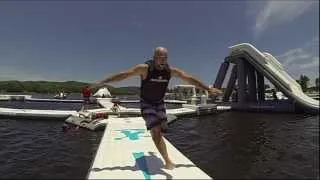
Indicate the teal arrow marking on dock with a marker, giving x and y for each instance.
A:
(131, 134)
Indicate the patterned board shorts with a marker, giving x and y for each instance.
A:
(154, 114)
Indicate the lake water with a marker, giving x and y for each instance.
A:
(224, 145)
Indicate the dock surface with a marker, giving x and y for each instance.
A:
(126, 151)
(34, 113)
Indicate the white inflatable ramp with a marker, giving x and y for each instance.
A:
(126, 151)
(271, 68)
(33, 113)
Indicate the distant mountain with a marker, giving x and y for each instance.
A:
(126, 90)
(55, 87)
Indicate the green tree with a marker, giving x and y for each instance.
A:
(304, 82)
(15, 87)
(55, 87)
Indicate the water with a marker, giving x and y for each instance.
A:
(249, 145)
(225, 145)
(39, 149)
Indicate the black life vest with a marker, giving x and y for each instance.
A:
(154, 87)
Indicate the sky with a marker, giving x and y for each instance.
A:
(90, 40)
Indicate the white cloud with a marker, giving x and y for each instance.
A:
(314, 63)
(294, 55)
(275, 12)
(302, 60)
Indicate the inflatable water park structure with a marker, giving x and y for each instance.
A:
(126, 149)
(244, 71)
(249, 68)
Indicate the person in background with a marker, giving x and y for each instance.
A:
(86, 94)
(116, 108)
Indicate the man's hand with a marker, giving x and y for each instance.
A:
(214, 91)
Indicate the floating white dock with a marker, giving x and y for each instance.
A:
(32, 113)
(55, 100)
(166, 101)
(7, 97)
(29, 98)
(107, 105)
(126, 151)
(187, 109)
(90, 119)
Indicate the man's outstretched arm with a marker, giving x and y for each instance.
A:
(134, 71)
(192, 80)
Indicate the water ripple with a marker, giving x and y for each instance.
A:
(225, 145)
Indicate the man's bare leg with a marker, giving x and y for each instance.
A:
(161, 146)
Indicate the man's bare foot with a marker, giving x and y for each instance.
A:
(169, 166)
